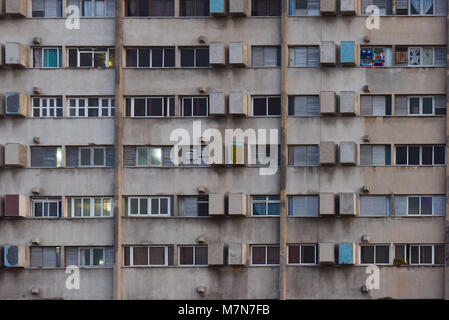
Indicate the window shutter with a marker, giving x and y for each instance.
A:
(72, 156)
(440, 104)
(311, 205)
(402, 4)
(71, 256)
(366, 155)
(378, 155)
(109, 257)
(441, 7)
(301, 57)
(44, 157)
(36, 257)
(313, 56)
(313, 156)
(166, 160)
(189, 207)
(400, 205)
(257, 56)
(439, 204)
(313, 105)
(300, 106)
(111, 8)
(129, 156)
(401, 105)
(366, 105)
(300, 156)
(51, 8)
(379, 105)
(365, 4)
(440, 56)
(374, 206)
(298, 205)
(270, 57)
(49, 257)
(109, 156)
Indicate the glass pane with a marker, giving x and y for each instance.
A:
(155, 107)
(134, 206)
(97, 208)
(426, 205)
(142, 156)
(307, 254)
(258, 255)
(107, 207)
(78, 208)
(274, 209)
(140, 256)
(260, 106)
(38, 209)
(155, 206)
(293, 254)
(139, 107)
(143, 206)
(85, 257)
(439, 155)
(85, 157)
(401, 155)
(157, 256)
(367, 254)
(86, 59)
(156, 156)
(413, 155)
(200, 256)
(414, 106)
(156, 58)
(98, 259)
(163, 206)
(51, 58)
(259, 209)
(99, 157)
(272, 255)
(274, 106)
(413, 205)
(427, 154)
(86, 207)
(382, 254)
(414, 254)
(186, 255)
(187, 57)
(202, 57)
(427, 105)
(100, 60)
(425, 254)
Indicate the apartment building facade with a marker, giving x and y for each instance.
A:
(89, 106)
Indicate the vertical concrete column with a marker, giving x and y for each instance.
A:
(118, 143)
(446, 225)
(283, 161)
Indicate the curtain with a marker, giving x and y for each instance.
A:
(428, 6)
(415, 6)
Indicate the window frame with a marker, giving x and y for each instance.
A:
(92, 157)
(76, 109)
(267, 201)
(167, 106)
(148, 265)
(420, 214)
(421, 9)
(420, 155)
(92, 51)
(266, 106)
(195, 53)
(149, 206)
(421, 105)
(91, 258)
(43, 201)
(71, 207)
(42, 62)
(194, 255)
(47, 108)
(300, 245)
(266, 264)
(150, 58)
(374, 256)
(421, 49)
(191, 98)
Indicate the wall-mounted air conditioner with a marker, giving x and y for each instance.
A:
(15, 104)
(16, 8)
(238, 103)
(237, 254)
(217, 54)
(238, 54)
(15, 155)
(216, 204)
(237, 204)
(217, 104)
(215, 254)
(14, 256)
(238, 8)
(15, 206)
(16, 54)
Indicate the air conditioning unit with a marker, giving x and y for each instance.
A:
(15, 155)
(217, 104)
(238, 103)
(237, 254)
(217, 54)
(326, 252)
(328, 53)
(328, 103)
(238, 8)
(216, 204)
(14, 256)
(217, 8)
(348, 204)
(328, 7)
(15, 206)
(348, 7)
(328, 153)
(348, 153)
(16, 8)
(215, 254)
(16, 54)
(327, 204)
(238, 54)
(237, 204)
(15, 104)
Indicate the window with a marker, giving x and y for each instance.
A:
(94, 8)
(305, 8)
(303, 206)
(47, 107)
(147, 156)
(419, 254)
(90, 207)
(266, 56)
(421, 105)
(265, 255)
(306, 156)
(192, 256)
(375, 105)
(89, 156)
(47, 8)
(385, 7)
(266, 8)
(421, 56)
(304, 106)
(302, 254)
(150, 58)
(148, 256)
(47, 58)
(267, 106)
(91, 107)
(195, 106)
(414, 155)
(375, 155)
(90, 257)
(415, 7)
(375, 254)
(374, 206)
(148, 206)
(304, 57)
(266, 205)
(195, 206)
(150, 107)
(45, 257)
(420, 205)
(46, 157)
(192, 8)
(375, 57)
(195, 57)
(46, 207)
(91, 57)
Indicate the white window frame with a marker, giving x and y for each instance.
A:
(149, 206)
(148, 152)
(307, 153)
(92, 163)
(48, 107)
(86, 107)
(91, 249)
(166, 107)
(44, 201)
(191, 98)
(421, 49)
(409, 259)
(266, 106)
(420, 206)
(42, 62)
(374, 246)
(421, 104)
(71, 203)
(151, 57)
(266, 255)
(300, 245)
(421, 9)
(195, 49)
(266, 201)
(94, 10)
(131, 256)
(194, 255)
(92, 51)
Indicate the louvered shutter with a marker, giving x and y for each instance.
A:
(71, 256)
(379, 105)
(166, 160)
(300, 108)
(291, 57)
(257, 56)
(313, 56)
(400, 205)
(51, 8)
(440, 105)
(366, 105)
(313, 156)
(313, 7)
(440, 56)
(49, 257)
(402, 4)
(129, 156)
(300, 156)
(365, 4)
(401, 105)
(109, 257)
(72, 156)
(378, 155)
(36, 259)
(301, 57)
(439, 205)
(313, 105)
(109, 156)
(298, 206)
(270, 57)
(441, 7)
(374, 206)
(189, 207)
(44, 157)
(366, 155)
(311, 205)
(111, 8)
